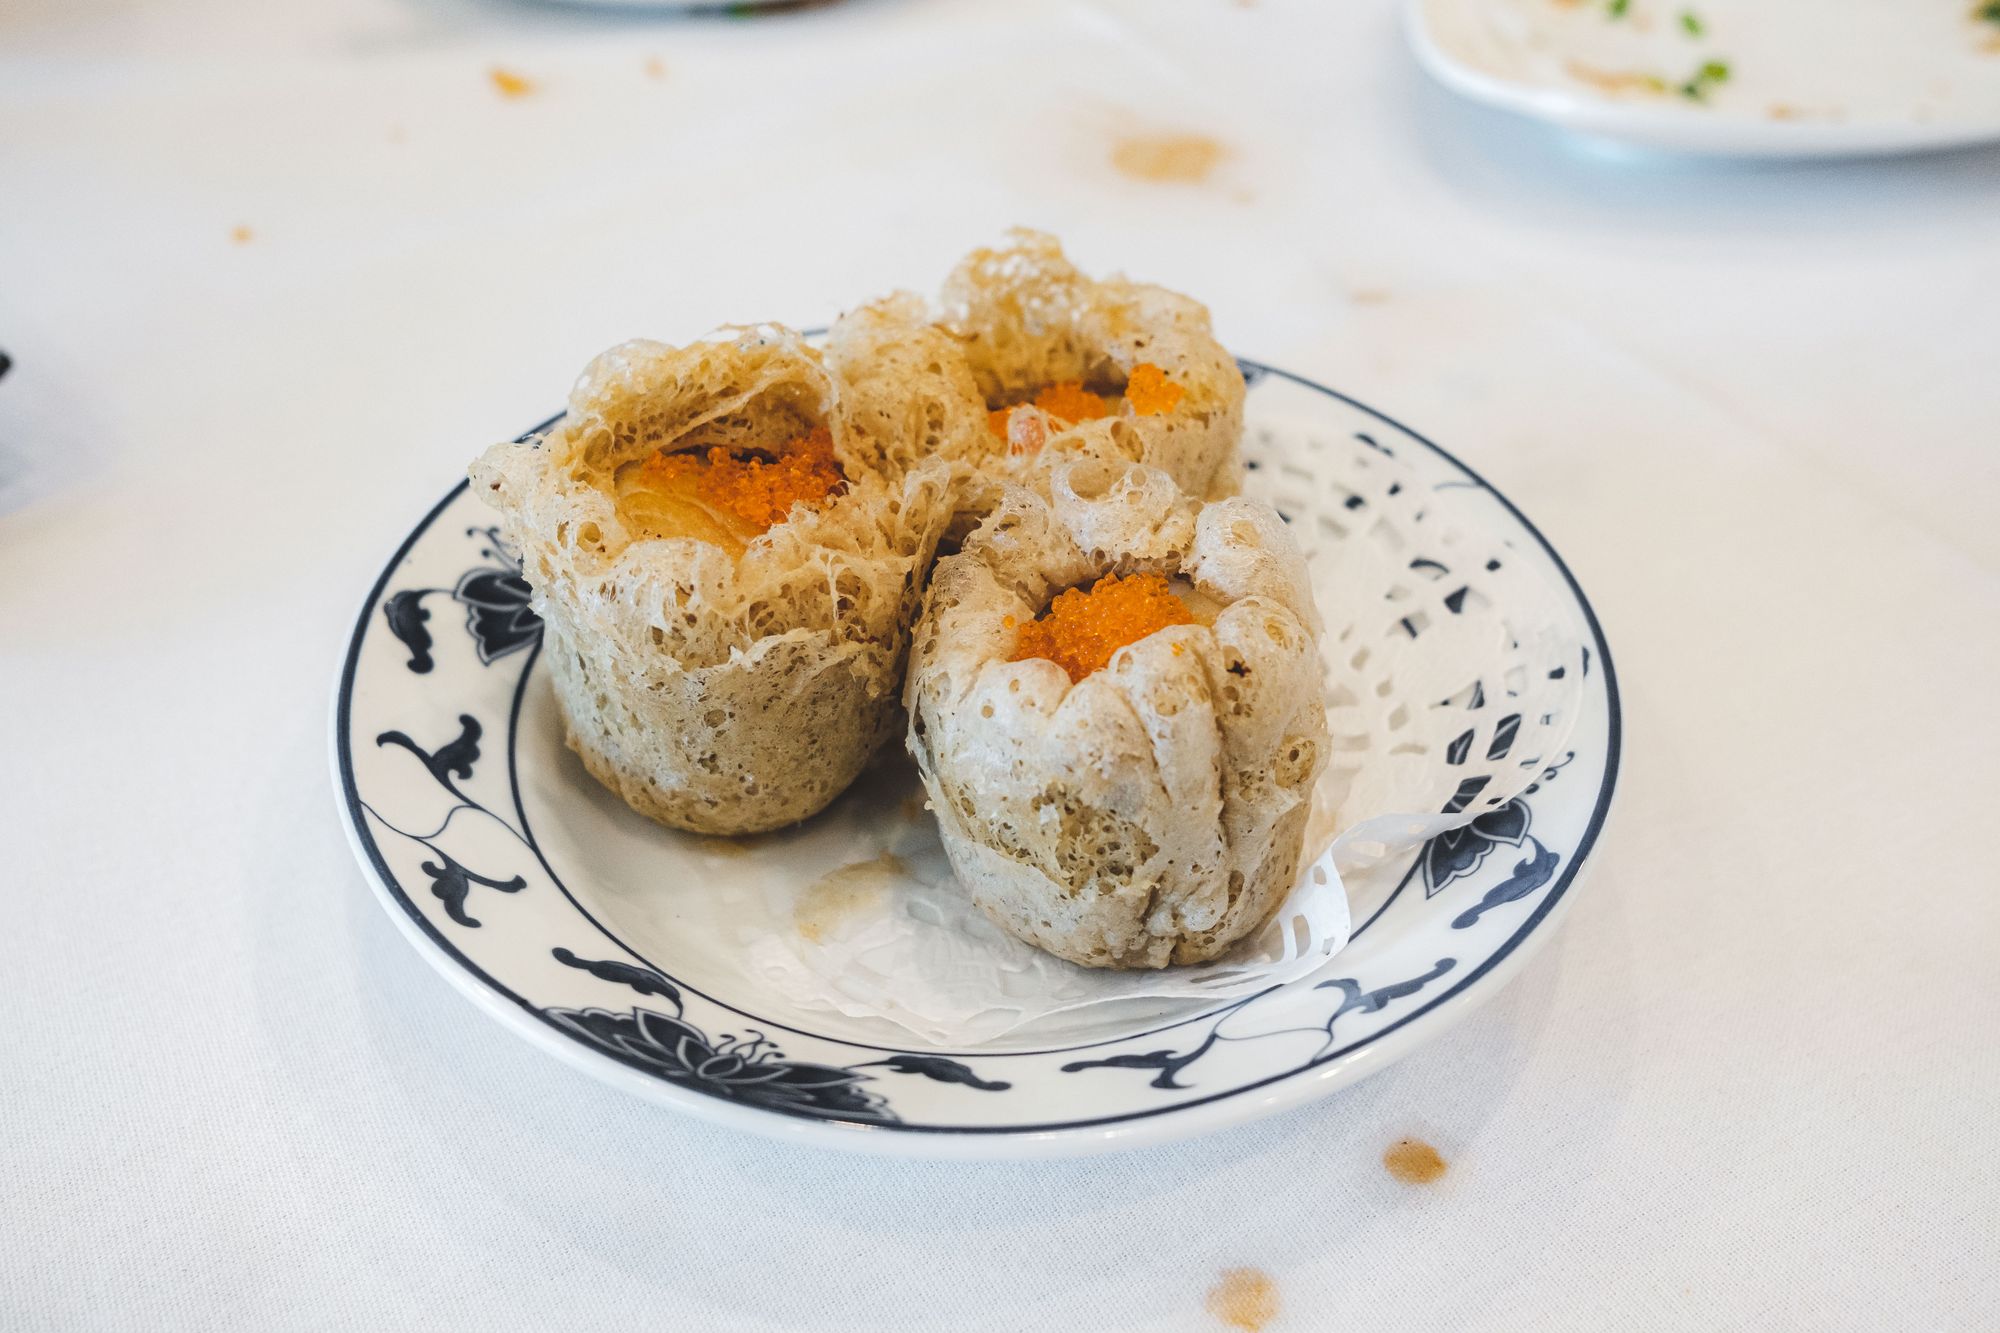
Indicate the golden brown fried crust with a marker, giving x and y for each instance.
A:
(1018, 318)
(720, 694)
(1151, 813)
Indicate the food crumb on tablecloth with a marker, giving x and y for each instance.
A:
(511, 84)
(1413, 1162)
(1183, 159)
(1244, 1298)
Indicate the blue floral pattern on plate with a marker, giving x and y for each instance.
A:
(427, 758)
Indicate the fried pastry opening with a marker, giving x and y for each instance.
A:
(1147, 392)
(1082, 629)
(727, 497)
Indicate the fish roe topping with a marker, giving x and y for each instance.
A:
(1081, 630)
(1148, 390)
(757, 492)
(1066, 400)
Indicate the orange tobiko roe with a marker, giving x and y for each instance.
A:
(1081, 630)
(758, 491)
(1148, 390)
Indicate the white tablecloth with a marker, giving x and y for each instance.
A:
(1752, 1085)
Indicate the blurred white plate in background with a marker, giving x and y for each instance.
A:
(1738, 78)
(721, 7)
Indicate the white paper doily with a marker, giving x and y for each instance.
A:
(1451, 676)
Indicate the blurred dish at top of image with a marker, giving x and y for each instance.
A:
(1741, 78)
(720, 8)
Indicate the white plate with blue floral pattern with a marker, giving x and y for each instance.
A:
(596, 935)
